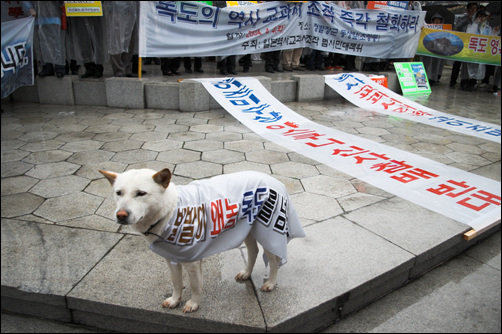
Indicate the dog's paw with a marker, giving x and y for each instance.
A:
(190, 307)
(242, 276)
(170, 303)
(268, 286)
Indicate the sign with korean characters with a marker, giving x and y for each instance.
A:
(188, 28)
(468, 198)
(412, 78)
(365, 93)
(17, 54)
(387, 4)
(460, 46)
(83, 8)
(241, 3)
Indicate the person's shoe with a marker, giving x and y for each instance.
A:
(60, 75)
(232, 72)
(47, 71)
(269, 70)
(188, 70)
(288, 68)
(277, 69)
(200, 70)
(298, 68)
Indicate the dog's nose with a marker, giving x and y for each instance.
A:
(122, 216)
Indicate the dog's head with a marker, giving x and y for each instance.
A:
(140, 196)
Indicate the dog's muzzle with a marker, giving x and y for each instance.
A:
(122, 217)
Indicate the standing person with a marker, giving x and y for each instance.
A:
(121, 19)
(272, 61)
(472, 72)
(87, 44)
(48, 37)
(434, 66)
(350, 60)
(291, 59)
(197, 64)
(472, 8)
(227, 65)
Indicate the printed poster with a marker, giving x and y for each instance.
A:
(412, 78)
(83, 8)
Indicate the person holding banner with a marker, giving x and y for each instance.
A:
(472, 8)
(121, 19)
(434, 66)
(49, 36)
(472, 72)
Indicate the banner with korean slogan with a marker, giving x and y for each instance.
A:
(460, 46)
(471, 199)
(189, 28)
(365, 93)
(17, 54)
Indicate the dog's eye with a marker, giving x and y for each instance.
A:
(140, 193)
(118, 192)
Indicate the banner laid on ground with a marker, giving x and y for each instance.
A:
(17, 54)
(364, 93)
(186, 28)
(471, 199)
(460, 46)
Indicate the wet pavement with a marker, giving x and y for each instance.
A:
(64, 258)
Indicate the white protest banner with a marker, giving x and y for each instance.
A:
(188, 28)
(468, 198)
(17, 54)
(364, 93)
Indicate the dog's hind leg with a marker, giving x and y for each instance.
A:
(177, 278)
(194, 270)
(252, 248)
(273, 262)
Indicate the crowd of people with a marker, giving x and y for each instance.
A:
(62, 44)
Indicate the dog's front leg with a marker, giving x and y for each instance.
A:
(252, 248)
(194, 270)
(273, 262)
(177, 278)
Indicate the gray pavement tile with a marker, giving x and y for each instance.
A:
(42, 263)
(409, 226)
(131, 282)
(324, 271)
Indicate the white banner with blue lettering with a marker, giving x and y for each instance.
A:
(17, 54)
(367, 94)
(190, 28)
(468, 198)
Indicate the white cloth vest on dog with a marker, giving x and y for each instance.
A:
(217, 214)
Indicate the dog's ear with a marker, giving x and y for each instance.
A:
(110, 176)
(163, 177)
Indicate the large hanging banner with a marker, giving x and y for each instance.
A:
(188, 28)
(460, 46)
(17, 54)
(365, 93)
(468, 198)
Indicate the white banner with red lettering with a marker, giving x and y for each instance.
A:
(468, 198)
(367, 94)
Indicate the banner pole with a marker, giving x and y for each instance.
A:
(139, 67)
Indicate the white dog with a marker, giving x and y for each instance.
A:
(184, 224)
